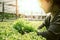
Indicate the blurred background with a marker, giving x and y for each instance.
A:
(28, 9)
(19, 19)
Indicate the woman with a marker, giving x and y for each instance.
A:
(53, 24)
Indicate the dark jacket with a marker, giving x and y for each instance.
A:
(54, 25)
(46, 22)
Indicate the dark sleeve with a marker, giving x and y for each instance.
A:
(46, 22)
(42, 25)
(55, 25)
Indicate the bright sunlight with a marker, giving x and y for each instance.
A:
(27, 6)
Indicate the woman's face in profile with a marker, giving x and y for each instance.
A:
(46, 5)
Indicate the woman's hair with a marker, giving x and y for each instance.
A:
(56, 2)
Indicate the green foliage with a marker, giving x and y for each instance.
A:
(7, 15)
(7, 32)
(23, 26)
(32, 36)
